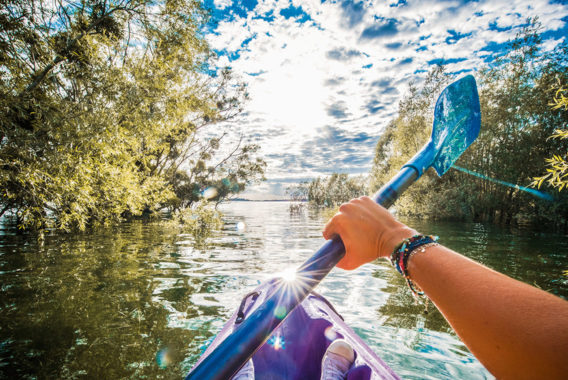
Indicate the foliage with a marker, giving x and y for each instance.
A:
(335, 189)
(557, 171)
(200, 220)
(516, 121)
(218, 181)
(104, 111)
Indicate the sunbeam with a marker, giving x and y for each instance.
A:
(294, 284)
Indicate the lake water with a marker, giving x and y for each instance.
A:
(143, 301)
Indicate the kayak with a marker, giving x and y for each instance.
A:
(295, 349)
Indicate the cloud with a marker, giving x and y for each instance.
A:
(333, 81)
(342, 54)
(383, 82)
(383, 28)
(338, 110)
(393, 45)
(444, 61)
(336, 149)
(325, 78)
(454, 36)
(375, 106)
(399, 3)
(353, 12)
(222, 4)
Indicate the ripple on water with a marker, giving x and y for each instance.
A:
(108, 303)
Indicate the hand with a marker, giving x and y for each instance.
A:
(368, 232)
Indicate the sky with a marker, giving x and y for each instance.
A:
(325, 77)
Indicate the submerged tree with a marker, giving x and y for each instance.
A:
(103, 109)
(335, 189)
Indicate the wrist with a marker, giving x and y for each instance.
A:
(397, 236)
(401, 255)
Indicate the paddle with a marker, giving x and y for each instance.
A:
(456, 125)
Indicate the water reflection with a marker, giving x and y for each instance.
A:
(143, 300)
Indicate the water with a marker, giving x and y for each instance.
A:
(143, 301)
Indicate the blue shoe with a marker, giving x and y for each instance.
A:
(337, 360)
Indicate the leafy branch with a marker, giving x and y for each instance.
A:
(557, 170)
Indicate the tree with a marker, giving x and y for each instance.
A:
(298, 192)
(335, 190)
(557, 171)
(216, 180)
(104, 108)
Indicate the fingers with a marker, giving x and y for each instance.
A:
(346, 211)
(332, 227)
(346, 263)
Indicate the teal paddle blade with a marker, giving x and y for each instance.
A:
(457, 119)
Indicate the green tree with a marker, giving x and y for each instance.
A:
(335, 189)
(557, 170)
(105, 109)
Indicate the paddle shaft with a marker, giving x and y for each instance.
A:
(225, 360)
(456, 125)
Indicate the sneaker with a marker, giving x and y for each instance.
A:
(245, 373)
(337, 360)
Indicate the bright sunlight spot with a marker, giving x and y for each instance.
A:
(240, 226)
(288, 274)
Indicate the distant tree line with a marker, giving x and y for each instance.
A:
(517, 119)
(103, 112)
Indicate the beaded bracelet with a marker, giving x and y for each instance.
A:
(401, 254)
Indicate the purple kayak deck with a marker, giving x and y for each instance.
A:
(295, 349)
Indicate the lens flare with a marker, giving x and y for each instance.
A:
(209, 193)
(293, 286)
(529, 190)
(277, 342)
(330, 333)
(280, 312)
(163, 358)
(240, 227)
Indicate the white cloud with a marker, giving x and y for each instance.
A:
(304, 77)
(222, 4)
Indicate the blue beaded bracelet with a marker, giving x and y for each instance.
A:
(401, 254)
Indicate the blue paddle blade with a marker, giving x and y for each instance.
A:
(457, 119)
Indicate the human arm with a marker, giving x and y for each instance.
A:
(515, 330)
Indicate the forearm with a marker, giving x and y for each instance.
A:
(515, 330)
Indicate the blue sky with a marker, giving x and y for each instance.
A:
(325, 77)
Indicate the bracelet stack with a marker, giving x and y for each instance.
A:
(401, 254)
